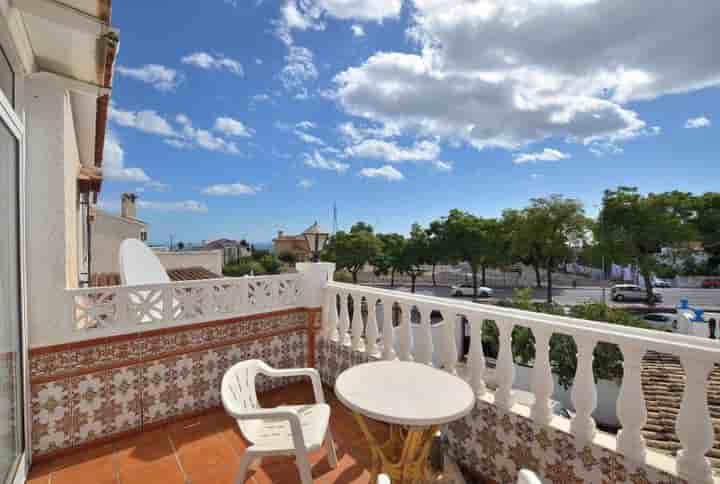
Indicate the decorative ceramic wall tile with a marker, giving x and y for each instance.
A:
(496, 445)
(52, 421)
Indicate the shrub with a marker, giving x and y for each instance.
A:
(287, 258)
(342, 276)
(243, 268)
(270, 263)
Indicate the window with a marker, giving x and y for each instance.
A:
(143, 236)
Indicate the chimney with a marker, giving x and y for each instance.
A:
(280, 233)
(127, 206)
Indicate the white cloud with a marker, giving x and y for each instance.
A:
(232, 127)
(260, 98)
(508, 74)
(233, 189)
(160, 77)
(308, 138)
(207, 61)
(192, 206)
(148, 121)
(387, 172)
(157, 186)
(306, 125)
(357, 30)
(389, 151)
(114, 163)
(306, 183)
(355, 133)
(548, 154)
(442, 165)
(299, 68)
(258, 61)
(699, 122)
(317, 160)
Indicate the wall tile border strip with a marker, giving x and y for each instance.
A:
(61, 361)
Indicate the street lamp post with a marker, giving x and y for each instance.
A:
(316, 239)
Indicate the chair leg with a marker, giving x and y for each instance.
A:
(245, 462)
(303, 465)
(330, 444)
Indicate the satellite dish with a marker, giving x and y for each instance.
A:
(140, 265)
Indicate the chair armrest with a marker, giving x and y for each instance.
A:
(288, 414)
(290, 372)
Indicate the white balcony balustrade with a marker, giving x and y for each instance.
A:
(417, 333)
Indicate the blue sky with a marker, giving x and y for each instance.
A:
(236, 119)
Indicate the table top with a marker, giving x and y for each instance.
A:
(404, 393)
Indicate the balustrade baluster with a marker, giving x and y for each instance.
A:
(387, 330)
(357, 323)
(449, 352)
(122, 300)
(476, 357)
(405, 334)
(344, 323)
(505, 370)
(423, 343)
(331, 327)
(543, 382)
(584, 393)
(631, 409)
(371, 329)
(694, 427)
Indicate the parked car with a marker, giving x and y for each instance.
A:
(661, 283)
(466, 289)
(633, 292)
(711, 284)
(661, 321)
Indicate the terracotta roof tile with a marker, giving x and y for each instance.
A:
(182, 274)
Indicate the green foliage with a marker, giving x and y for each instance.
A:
(356, 248)
(287, 258)
(414, 254)
(342, 276)
(271, 264)
(244, 267)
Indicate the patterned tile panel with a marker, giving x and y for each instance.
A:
(46, 364)
(182, 377)
(496, 445)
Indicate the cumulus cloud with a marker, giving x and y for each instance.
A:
(355, 134)
(548, 154)
(390, 151)
(205, 139)
(387, 172)
(308, 138)
(231, 189)
(357, 30)
(699, 122)
(147, 120)
(114, 163)
(306, 183)
(507, 74)
(317, 160)
(232, 127)
(442, 165)
(207, 61)
(306, 125)
(160, 77)
(299, 68)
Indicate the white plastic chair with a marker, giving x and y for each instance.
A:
(528, 477)
(285, 430)
(383, 479)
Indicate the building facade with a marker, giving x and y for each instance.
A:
(108, 230)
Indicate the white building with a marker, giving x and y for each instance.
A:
(108, 230)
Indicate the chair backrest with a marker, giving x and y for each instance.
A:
(528, 477)
(140, 265)
(238, 387)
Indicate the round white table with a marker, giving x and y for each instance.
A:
(415, 399)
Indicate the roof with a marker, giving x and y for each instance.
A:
(663, 381)
(181, 274)
(222, 243)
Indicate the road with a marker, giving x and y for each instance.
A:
(700, 298)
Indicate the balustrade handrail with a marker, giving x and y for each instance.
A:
(611, 333)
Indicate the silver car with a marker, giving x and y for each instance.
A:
(633, 292)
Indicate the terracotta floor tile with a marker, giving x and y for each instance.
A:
(161, 471)
(99, 463)
(144, 450)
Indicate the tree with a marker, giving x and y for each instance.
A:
(287, 257)
(555, 222)
(473, 240)
(707, 221)
(632, 228)
(356, 248)
(388, 260)
(438, 250)
(414, 254)
(524, 247)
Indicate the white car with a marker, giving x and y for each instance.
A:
(661, 321)
(633, 292)
(466, 289)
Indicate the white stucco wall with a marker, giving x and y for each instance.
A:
(108, 232)
(50, 170)
(209, 259)
(72, 206)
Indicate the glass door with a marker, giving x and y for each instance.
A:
(11, 382)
